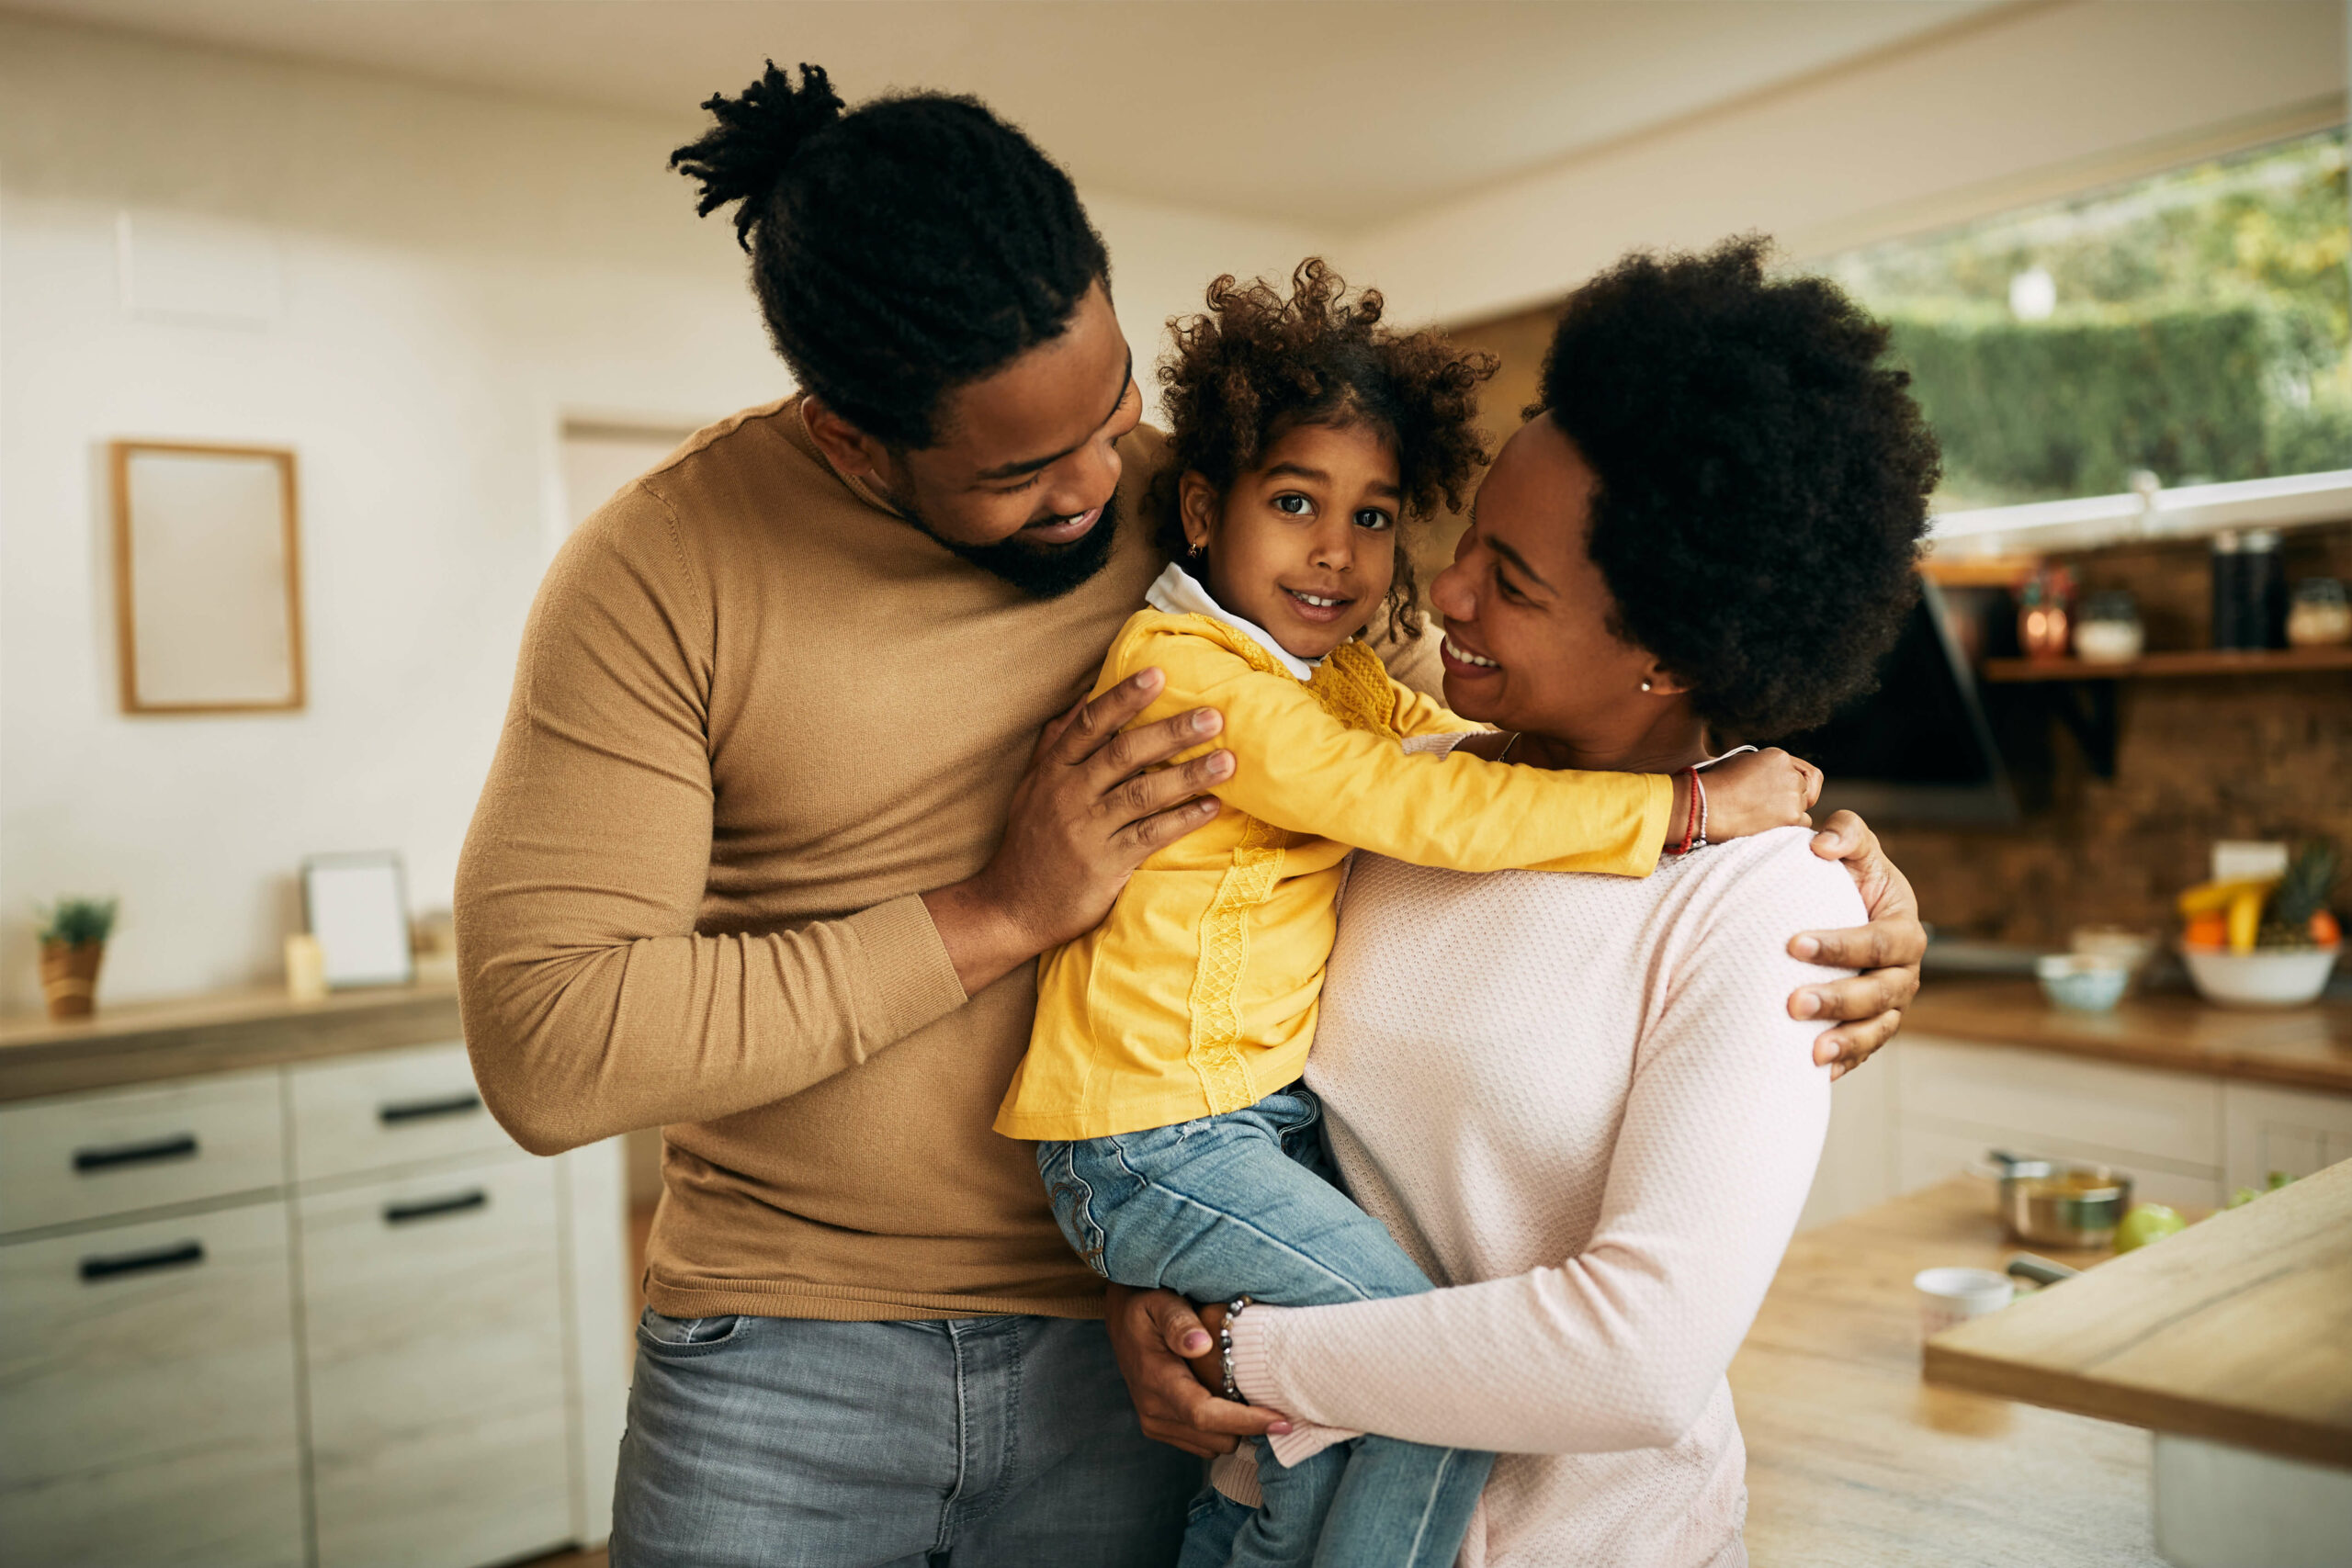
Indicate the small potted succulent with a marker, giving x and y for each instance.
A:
(73, 934)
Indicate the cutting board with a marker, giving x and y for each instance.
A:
(2237, 1329)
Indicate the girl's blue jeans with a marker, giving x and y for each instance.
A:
(1248, 1203)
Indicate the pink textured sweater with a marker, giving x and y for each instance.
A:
(1580, 1102)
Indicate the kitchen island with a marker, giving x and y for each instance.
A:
(1852, 1460)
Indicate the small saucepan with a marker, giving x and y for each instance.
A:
(2058, 1204)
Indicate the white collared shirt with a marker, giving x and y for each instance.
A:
(1178, 592)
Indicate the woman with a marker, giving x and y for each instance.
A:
(1580, 1100)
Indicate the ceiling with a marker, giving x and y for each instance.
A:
(1336, 113)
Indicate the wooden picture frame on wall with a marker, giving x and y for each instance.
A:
(208, 577)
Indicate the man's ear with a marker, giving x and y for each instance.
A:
(849, 448)
(1197, 507)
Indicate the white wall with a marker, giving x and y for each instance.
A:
(2027, 103)
(460, 273)
(463, 272)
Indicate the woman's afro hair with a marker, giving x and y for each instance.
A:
(1763, 478)
(1257, 365)
(899, 249)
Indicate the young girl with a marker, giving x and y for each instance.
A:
(1161, 1076)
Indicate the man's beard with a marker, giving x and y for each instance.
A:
(1042, 571)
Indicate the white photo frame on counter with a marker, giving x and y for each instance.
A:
(357, 905)
(208, 577)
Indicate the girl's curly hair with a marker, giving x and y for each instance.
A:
(1256, 365)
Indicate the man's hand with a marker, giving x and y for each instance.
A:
(1087, 812)
(1887, 952)
(1153, 1333)
(1751, 793)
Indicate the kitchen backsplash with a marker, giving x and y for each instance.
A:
(2198, 759)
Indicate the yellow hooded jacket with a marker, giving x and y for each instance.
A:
(1197, 994)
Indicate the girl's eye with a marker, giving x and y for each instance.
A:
(1374, 518)
(1292, 503)
(1030, 483)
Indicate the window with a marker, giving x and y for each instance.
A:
(2194, 326)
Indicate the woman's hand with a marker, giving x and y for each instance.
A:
(1087, 812)
(1752, 793)
(1161, 1343)
(1887, 952)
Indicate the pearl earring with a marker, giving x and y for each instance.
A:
(1646, 685)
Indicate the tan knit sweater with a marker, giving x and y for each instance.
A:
(753, 719)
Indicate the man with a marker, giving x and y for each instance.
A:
(789, 798)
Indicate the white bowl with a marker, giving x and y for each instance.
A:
(2082, 982)
(2288, 977)
(1947, 1296)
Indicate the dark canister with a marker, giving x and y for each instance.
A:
(2263, 622)
(2229, 590)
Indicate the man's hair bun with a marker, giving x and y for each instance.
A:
(899, 249)
(756, 138)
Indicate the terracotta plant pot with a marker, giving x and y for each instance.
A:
(69, 977)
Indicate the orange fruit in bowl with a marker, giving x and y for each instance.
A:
(2208, 930)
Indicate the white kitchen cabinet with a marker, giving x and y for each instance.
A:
(322, 1315)
(89, 1155)
(1929, 1154)
(432, 1322)
(388, 1109)
(1929, 1108)
(2290, 1131)
(2170, 1120)
(147, 1394)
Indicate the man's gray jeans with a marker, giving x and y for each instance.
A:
(1001, 1442)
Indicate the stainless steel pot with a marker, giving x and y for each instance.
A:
(2058, 1204)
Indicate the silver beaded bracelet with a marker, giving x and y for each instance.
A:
(1225, 1346)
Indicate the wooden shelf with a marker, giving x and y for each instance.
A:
(2200, 661)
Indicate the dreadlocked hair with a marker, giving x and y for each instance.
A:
(1257, 365)
(898, 250)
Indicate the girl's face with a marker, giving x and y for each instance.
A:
(1528, 644)
(1305, 545)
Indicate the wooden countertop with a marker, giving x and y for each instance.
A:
(146, 1042)
(2308, 1047)
(2234, 1330)
(1852, 1460)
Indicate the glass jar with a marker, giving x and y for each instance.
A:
(2108, 629)
(2321, 615)
(2046, 616)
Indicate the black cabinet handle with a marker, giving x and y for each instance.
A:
(392, 1115)
(114, 1267)
(455, 1203)
(179, 1145)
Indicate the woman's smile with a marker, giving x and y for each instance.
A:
(1463, 660)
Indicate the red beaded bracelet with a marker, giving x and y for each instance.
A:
(1690, 820)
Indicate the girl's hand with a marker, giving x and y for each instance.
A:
(1752, 793)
